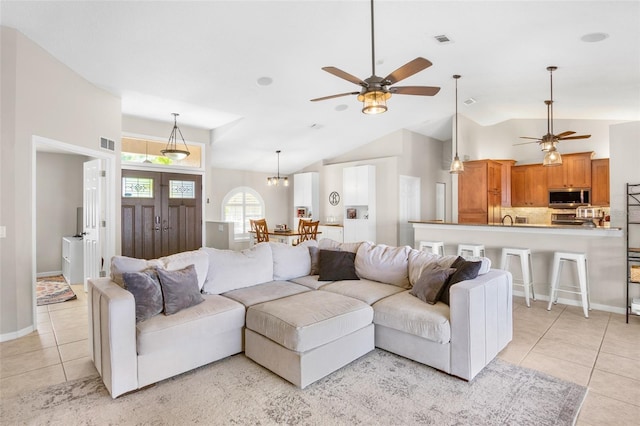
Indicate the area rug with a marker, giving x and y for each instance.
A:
(380, 388)
(50, 290)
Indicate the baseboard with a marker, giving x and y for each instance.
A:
(16, 334)
(48, 274)
(570, 302)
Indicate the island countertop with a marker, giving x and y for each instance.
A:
(604, 248)
(527, 227)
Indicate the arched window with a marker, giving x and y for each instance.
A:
(240, 205)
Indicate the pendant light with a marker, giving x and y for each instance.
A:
(146, 153)
(171, 151)
(275, 180)
(552, 157)
(456, 164)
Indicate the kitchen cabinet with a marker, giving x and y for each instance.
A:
(332, 232)
(529, 186)
(306, 200)
(480, 192)
(575, 172)
(506, 182)
(359, 188)
(600, 182)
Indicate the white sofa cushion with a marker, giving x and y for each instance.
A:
(265, 292)
(409, 314)
(365, 290)
(121, 264)
(179, 261)
(329, 244)
(291, 261)
(230, 270)
(382, 263)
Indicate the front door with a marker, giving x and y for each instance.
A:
(161, 213)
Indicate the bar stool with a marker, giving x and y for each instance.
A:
(524, 254)
(475, 250)
(436, 247)
(580, 260)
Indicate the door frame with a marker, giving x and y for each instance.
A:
(39, 143)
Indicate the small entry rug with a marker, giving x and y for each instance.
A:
(50, 290)
(379, 388)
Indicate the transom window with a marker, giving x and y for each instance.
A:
(239, 206)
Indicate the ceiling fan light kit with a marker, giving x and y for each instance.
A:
(552, 158)
(275, 180)
(375, 91)
(171, 150)
(456, 165)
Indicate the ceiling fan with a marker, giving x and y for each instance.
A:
(375, 90)
(548, 142)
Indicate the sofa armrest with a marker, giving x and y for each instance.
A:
(481, 321)
(112, 335)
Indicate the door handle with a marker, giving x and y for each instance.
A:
(156, 226)
(165, 227)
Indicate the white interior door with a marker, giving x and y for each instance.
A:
(409, 208)
(93, 212)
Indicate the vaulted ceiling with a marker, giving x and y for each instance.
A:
(207, 60)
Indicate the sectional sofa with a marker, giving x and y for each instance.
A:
(291, 310)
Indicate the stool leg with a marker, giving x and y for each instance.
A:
(503, 261)
(554, 280)
(530, 269)
(526, 281)
(582, 278)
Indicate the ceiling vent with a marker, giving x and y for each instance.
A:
(107, 144)
(470, 101)
(443, 39)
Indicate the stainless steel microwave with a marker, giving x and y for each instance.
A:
(569, 198)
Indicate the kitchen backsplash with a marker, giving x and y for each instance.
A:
(537, 215)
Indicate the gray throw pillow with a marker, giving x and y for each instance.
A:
(314, 252)
(337, 266)
(465, 270)
(146, 291)
(429, 286)
(180, 289)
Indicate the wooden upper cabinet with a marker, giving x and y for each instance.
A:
(575, 172)
(529, 186)
(600, 182)
(479, 192)
(505, 199)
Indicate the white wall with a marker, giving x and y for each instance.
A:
(58, 195)
(40, 97)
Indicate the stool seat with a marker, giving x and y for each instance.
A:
(436, 247)
(475, 250)
(580, 261)
(524, 254)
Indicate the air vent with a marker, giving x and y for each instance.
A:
(470, 101)
(443, 39)
(107, 144)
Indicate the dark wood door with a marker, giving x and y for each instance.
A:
(161, 213)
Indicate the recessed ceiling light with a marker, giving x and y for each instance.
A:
(341, 107)
(264, 81)
(594, 37)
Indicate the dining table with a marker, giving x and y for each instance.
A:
(288, 236)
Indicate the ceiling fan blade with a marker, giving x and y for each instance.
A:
(344, 75)
(563, 134)
(575, 137)
(415, 90)
(527, 137)
(334, 96)
(408, 69)
(526, 143)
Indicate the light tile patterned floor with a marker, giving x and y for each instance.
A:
(602, 352)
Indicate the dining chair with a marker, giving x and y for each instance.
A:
(308, 230)
(259, 226)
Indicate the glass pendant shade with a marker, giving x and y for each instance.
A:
(552, 158)
(275, 180)
(456, 166)
(171, 150)
(374, 102)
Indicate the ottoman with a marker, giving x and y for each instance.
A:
(304, 337)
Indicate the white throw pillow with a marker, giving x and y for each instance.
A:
(291, 262)
(329, 244)
(382, 263)
(179, 261)
(231, 270)
(121, 264)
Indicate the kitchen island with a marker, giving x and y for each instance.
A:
(605, 249)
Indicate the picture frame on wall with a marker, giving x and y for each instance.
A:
(352, 213)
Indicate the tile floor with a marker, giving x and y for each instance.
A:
(602, 352)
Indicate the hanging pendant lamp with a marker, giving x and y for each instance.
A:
(171, 151)
(456, 164)
(275, 180)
